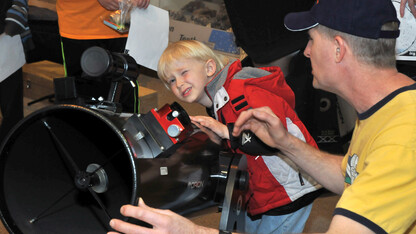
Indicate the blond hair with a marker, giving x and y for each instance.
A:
(187, 49)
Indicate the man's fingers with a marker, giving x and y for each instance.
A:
(125, 227)
(147, 214)
(402, 7)
(412, 7)
(410, 4)
(247, 118)
(242, 122)
(142, 3)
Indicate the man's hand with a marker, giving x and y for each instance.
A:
(141, 3)
(411, 4)
(264, 124)
(163, 221)
(113, 5)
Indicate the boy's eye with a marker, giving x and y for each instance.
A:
(171, 81)
(184, 72)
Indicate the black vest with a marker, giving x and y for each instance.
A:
(259, 29)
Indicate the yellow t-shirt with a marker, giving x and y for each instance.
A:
(380, 166)
(82, 19)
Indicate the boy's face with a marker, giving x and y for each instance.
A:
(187, 79)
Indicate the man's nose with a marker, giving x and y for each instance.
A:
(307, 51)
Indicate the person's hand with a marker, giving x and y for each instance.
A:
(111, 5)
(264, 124)
(163, 221)
(212, 127)
(141, 3)
(411, 4)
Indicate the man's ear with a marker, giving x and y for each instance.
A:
(211, 67)
(340, 49)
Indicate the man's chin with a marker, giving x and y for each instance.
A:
(315, 83)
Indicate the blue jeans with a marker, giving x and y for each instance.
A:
(290, 223)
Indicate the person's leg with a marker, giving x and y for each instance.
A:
(11, 102)
(72, 53)
(279, 224)
(127, 99)
(113, 45)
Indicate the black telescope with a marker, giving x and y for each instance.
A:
(69, 169)
(100, 86)
(99, 62)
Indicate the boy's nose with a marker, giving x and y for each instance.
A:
(179, 83)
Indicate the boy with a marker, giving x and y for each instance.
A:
(280, 196)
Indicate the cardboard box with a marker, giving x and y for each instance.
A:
(218, 40)
(205, 21)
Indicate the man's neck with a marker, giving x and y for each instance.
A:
(370, 85)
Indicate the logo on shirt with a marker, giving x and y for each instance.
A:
(246, 138)
(351, 172)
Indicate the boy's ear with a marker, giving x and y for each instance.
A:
(211, 67)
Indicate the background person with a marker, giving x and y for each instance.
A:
(81, 27)
(13, 21)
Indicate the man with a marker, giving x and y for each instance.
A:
(352, 54)
(352, 51)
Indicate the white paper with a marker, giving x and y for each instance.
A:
(148, 35)
(12, 56)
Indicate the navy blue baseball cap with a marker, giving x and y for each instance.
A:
(362, 18)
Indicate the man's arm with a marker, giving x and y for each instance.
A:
(341, 224)
(165, 221)
(322, 166)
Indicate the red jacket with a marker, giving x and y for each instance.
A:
(274, 181)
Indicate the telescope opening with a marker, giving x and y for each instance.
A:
(37, 190)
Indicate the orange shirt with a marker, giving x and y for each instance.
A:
(82, 19)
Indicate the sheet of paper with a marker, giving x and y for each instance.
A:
(148, 35)
(12, 56)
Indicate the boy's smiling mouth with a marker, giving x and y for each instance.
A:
(186, 92)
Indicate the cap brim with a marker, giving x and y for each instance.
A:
(300, 21)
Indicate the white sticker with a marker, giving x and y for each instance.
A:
(163, 171)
